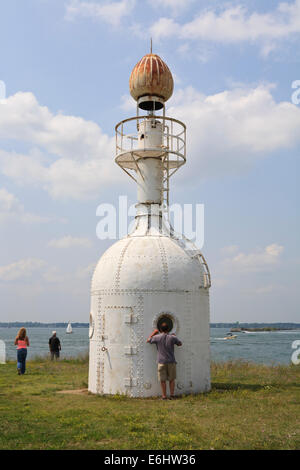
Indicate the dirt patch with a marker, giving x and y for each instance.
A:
(74, 392)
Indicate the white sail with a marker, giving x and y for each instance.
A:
(69, 328)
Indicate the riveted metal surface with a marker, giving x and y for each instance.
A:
(140, 345)
(190, 311)
(100, 359)
(153, 270)
(148, 264)
(188, 335)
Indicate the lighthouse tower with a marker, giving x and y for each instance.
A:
(152, 275)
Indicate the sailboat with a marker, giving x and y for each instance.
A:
(69, 328)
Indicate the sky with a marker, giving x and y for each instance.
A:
(65, 67)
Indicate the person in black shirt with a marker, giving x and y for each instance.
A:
(54, 346)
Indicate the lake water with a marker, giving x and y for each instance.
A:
(260, 347)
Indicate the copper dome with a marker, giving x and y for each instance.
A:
(151, 77)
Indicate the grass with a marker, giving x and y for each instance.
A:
(250, 407)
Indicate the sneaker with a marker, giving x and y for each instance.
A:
(19, 371)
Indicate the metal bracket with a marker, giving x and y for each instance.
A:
(130, 382)
(130, 350)
(130, 318)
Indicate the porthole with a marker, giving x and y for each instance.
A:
(169, 318)
(165, 318)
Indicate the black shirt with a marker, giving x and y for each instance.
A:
(54, 343)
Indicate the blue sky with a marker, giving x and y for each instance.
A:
(66, 66)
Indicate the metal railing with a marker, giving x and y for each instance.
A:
(206, 274)
(172, 150)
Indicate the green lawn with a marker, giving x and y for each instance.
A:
(249, 407)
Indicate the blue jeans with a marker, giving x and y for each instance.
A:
(21, 356)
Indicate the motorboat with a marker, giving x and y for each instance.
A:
(230, 336)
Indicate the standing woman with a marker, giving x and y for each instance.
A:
(22, 342)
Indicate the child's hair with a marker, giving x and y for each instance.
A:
(164, 328)
(21, 334)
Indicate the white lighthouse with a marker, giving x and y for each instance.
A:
(152, 275)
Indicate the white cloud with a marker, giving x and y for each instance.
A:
(22, 269)
(227, 132)
(86, 272)
(164, 28)
(8, 202)
(64, 136)
(25, 269)
(266, 289)
(69, 157)
(229, 250)
(259, 260)
(128, 103)
(11, 208)
(108, 11)
(235, 266)
(69, 242)
(176, 6)
(235, 24)
(54, 275)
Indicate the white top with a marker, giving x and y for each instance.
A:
(148, 263)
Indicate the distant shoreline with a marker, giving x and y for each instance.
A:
(235, 326)
(41, 325)
(265, 328)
